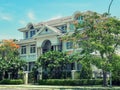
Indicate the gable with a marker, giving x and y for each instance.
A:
(46, 31)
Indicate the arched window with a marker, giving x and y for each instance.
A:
(30, 26)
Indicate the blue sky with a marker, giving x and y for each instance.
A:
(15, 14)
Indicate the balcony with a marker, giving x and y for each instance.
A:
(29, 58)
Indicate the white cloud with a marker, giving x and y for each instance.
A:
(31, 15)
(23, 22)
(5, 16)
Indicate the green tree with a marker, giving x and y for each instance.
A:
(10, 60)
(98, 36)
(84, 65)
(53, 64)
(116, 70)
(101, 35)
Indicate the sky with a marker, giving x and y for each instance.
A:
(15, 14)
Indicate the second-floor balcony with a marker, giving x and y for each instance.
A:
(29, 58)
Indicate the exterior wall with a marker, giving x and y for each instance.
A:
(54, 40)
(46, 32)
(59, 27)
(29, 57)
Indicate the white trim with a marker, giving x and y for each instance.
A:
(57, 31)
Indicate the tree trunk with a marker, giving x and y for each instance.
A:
(105, 78)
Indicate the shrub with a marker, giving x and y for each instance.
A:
(116, 77)
(13, 81)
(69, 82)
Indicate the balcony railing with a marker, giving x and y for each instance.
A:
(29, 58)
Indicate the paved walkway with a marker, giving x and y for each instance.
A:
(43, 87)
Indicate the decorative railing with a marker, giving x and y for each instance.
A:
(29, 58)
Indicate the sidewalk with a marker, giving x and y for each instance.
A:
(45, 87)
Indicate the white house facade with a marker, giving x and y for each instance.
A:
(44, 36)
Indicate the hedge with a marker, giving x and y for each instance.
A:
(77, 82)
(13, 81)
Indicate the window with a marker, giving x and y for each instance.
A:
(46, 29)
(79, 18)
(32, 48)
(72, 27)
(64, 28)
(69, 45)
(31, 27)
(23, 50)
(26, 35)
(37, 30)
(32, 33)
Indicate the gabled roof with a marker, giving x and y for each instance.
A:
(57, 31)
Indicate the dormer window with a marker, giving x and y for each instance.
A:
(32, 33)
(31, 27)
(79, 18)
(26, 35)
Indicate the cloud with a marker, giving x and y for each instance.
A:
(31, 15)
(5, 16)
(23, 22)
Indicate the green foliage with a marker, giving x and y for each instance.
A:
(69, 82)
(86, 72)
(53, 63)
(12, 82)
(101, 35)
(116, 70)
(77, 75)
(10, 60)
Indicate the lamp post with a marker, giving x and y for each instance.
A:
(109, 7)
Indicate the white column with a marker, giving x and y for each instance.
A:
(41, 51)
(28, 66)
(9, 74)
(36, 51)
(26, 77)
(56, 47)
(75, 65)
(73, 74)
(40, 73)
